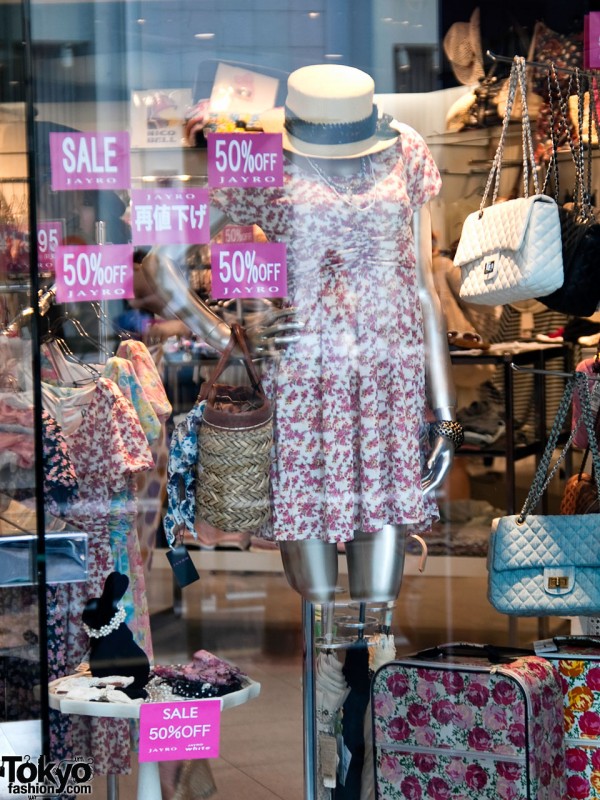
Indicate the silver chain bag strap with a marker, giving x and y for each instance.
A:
(546, 564)
(511, 250)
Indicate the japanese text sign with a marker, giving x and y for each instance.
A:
(170, 216)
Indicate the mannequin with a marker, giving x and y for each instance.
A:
(367, 342)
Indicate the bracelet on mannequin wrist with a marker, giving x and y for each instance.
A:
(449, 430)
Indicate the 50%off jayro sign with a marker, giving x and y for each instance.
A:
(180, 730)
(94, 273)
(245, 160)
(248, 270)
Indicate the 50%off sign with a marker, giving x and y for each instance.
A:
(180, 730)
(248, 270)
(245, 160)
(93, 273)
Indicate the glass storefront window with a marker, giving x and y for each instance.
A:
(169, 171)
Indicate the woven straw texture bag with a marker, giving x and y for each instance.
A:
(235, 440)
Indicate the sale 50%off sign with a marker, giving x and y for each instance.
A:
(94, 272)
(248, 270)
(245, 160)
(180, 730)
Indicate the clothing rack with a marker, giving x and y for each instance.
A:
(552, 372)
(542, 65)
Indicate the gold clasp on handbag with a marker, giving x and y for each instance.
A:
(558, 582)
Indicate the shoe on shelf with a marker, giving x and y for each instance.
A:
(556, 336)
(484, 431)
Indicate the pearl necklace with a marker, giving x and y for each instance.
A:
(347, 195)
(99, 633)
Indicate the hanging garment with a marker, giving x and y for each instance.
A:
(151, 485)
(108, 449)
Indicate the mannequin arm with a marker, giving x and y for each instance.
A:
(440, 384)
(161, 287)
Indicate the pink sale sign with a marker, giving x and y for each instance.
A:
(181, 730)
(248, 270)
(170, 216)
(245, 160)
(49, 237)
(94, 272)
(90, 161)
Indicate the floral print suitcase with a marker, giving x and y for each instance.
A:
(577, 661)
(464, 721)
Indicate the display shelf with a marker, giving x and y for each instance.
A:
(534, 355)
(245, 561)
(94, 708)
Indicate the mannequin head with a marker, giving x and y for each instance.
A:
(330, 114)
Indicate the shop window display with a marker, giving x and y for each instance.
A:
(352, 348)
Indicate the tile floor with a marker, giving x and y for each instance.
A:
(254, 620)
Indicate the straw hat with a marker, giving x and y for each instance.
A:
(462, 45)
(329, 113)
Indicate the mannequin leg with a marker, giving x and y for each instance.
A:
(376, 564)
(311, 568)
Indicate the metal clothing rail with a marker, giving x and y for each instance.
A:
(45, 300)
(551, 372)
(543, 65)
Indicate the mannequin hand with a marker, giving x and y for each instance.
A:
(438, 464)
(275, 332)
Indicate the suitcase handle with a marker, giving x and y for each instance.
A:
(495, 655)
(585, 641)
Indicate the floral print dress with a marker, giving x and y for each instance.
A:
(107, 449)
(152, 485)
(349, 396)
(124, 542)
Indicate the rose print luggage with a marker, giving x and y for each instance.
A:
(577, 660)
(468, 721)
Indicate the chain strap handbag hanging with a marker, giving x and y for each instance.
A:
(235, 439)
(512, 250)
(580, 231)
(580, 495)
(545, 564)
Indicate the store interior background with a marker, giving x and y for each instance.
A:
(88, 58)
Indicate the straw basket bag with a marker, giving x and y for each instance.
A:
(235, 438)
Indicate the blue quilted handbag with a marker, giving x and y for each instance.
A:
(549, 565)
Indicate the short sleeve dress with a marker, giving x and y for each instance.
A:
(349, 396)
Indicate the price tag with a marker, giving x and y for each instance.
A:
(180, 730)
(97, 272)
(249, 270)
(89, 161)
(182, 565)
(245, 160)
(167, 216)
(49, 236)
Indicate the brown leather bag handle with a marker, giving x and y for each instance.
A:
(238, 337)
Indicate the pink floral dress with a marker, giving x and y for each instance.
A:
(107, 450)
(350, 394)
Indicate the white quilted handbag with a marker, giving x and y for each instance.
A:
(548, 564)
(511, 250)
